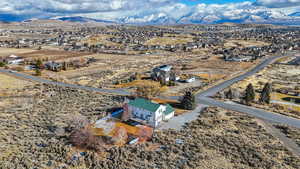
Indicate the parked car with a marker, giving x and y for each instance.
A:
(190, 80)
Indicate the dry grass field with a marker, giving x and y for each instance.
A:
(101, 39)
(110, 68)
(12, 51)
(35, 134)
(11, 88)
(168, 41)
(11, 83)
(52, 55)
(243, 43)
(283, 77)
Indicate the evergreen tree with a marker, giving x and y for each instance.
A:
(38, 72)
(188, 102)
(2, 64)
(229, 94)
(249, 94)
(65, 66)
(39, 64)
(265, 96)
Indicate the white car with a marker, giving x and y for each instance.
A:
(190, 80)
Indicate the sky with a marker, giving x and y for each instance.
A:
(195, 2)
(144, 10)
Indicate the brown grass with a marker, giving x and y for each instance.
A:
(168, 40)
(243, 43)
(8, 82)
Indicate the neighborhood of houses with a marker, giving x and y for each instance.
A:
(139, 117)
(124, 39)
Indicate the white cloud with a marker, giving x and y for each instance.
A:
(146, 10)
(76, 6)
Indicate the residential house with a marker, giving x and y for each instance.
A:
(164, 73)
(147, 112)
(54, 66)
(14, 60)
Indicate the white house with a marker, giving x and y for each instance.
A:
(149, 113)
(14, 60)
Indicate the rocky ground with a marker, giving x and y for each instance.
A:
(290, 132)
(37, 137)
(32, 130)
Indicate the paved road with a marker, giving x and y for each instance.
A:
(202, 98)
(295, 61)
(213, 90)
(178, 121)
(262, 114)
(285, 103)
(41, 80)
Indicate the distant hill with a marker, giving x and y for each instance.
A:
(259, 16)
(81, 19)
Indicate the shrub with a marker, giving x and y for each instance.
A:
(84, 138)
(2, 64)
(38, 72)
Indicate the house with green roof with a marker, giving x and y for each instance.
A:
(148, 112)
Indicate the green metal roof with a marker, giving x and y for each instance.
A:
(144, 104)
(169, 109)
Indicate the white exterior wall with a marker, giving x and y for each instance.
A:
(152, 119)
(15, 62)
(169, 116)
(159, 115)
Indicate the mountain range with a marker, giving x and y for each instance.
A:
(255, 16)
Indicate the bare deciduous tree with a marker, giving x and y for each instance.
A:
(77, 122)
(84, 138)
(148, 90)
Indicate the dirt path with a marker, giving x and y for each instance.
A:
(287, 142)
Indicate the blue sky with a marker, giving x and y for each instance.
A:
(146, 10)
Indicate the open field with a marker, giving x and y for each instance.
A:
(217, 139)
(31, 142)
(8, 83)
(284, 78)
(169, 40)
(244, 43)
(10, 87)
(101, 39)
(12, 51)
(109, 68)
(52, 55)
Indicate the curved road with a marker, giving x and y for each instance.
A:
(203, 98)
(41, 80)
(215, 89)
